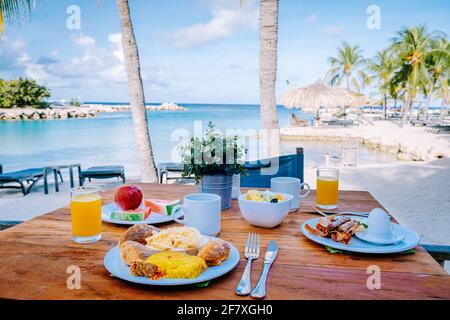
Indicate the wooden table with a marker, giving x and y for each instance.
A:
(35, 255)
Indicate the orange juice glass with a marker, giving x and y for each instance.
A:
(327, 188)
(86, 212)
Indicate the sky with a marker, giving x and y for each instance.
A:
(195, 51)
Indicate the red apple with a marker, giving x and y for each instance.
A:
(128, 197)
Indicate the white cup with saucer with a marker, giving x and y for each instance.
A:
(379, 229)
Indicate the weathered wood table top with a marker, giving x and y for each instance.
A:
(35, 255)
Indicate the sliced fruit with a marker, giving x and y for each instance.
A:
(165, 207)
(132, 215)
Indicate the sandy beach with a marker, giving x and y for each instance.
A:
(408, 143)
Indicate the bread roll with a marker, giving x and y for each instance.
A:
(137, 233)
(131, 251)
(214, 252)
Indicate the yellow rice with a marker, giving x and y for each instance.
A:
(178, 264)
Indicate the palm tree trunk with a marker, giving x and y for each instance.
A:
(444, 109)
(427, 107)
(405, 108)
(385, 106)
(136, 93)
(268, 64)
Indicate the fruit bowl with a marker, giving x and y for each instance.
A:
(264, 214)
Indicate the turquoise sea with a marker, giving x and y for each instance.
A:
(109, 138)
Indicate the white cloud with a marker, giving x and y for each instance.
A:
(95, 67)
(333, 31)
(227, 18)
(39, 72)
(9, 51)
(82, 41)
(312, 19)
(116, 39)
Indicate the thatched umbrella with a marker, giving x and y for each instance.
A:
(319, 94)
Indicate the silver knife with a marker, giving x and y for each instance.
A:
(271, 253)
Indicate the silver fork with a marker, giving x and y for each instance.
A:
(251, 253)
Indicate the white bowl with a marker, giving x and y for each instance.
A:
(264, 214)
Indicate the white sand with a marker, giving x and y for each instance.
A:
(408, 143)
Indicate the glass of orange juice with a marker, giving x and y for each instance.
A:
(327, 188)
(86, 212)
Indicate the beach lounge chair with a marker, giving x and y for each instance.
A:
(8, 224)
(102, 172)
(437, 128)
(440, 253)
(26, 179)
(261, 171)
(164, 169)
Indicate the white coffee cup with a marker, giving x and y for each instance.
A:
(201, 211)
(291, 186)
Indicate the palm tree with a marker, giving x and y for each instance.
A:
(436, 67)
(268, 37)
(383, 67)
(443, 93)
(413, 46)
(136, 92)
(348, 65)
(13, 9)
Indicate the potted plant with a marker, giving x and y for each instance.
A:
(213, 160)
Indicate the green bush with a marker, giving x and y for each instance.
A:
(75, 102)
(21, 93)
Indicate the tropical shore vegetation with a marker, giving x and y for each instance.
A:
(413, 70)
(21, 93)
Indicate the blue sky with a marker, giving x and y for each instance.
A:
(203, 51)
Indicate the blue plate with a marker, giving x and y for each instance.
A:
(153, 218)
(410, 241)
(119, 269)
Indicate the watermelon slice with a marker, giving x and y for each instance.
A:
(165, 207)
(138, 214)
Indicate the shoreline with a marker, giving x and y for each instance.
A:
(407, 143)
(83, 111)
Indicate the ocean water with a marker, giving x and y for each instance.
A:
(109, 138)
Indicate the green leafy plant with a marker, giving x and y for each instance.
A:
(22, 93)
(212, 154)
(75, 102)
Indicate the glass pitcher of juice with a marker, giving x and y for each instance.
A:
(327, 188)
(86, 214)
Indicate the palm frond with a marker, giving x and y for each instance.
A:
(11, 10)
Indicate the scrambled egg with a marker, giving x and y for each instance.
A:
(175, 238)
(177, 264)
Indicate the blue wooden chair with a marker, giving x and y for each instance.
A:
(260, 172)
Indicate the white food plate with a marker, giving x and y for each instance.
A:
(119, 269)
(153, 218)
(410, 240)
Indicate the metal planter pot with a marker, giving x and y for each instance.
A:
(219, 184)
